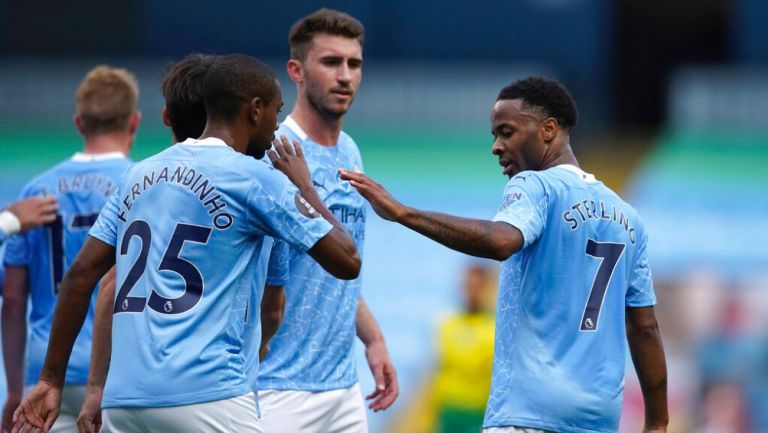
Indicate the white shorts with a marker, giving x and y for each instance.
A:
(336, 411)
(72, 397)
(233, 415)
(513, 430)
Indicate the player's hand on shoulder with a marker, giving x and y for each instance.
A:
(39, 410)
(89, 419)
(381, 200)
(289, 159)
(34, 211)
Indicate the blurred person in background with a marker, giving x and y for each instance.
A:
(575, 283)
(36, 261)
(465, 357)
(733, 361)
(308, 382)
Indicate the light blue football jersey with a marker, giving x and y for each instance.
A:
(82, 185)
(560, 331)
(188, 226)
(273, 272)
(313, 349)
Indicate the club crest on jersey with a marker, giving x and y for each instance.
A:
(589, 324)
(304, 207)
(168, 307)
(125, 305)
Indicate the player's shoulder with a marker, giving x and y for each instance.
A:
(529, 180)
(349, 144)
(40, 183)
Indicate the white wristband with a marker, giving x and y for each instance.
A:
(9, 223)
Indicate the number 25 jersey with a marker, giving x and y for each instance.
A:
(188, 226)
(560, 344)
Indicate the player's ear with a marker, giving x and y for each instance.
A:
(256, 109)
(549, 129)
(166, 117)
(293, 67)
(135, 119)
(78, 123)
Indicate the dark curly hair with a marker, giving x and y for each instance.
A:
(183, 92)
(545, 95)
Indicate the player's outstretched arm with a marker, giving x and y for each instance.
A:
(384, 373)
(34, 211)
(648, 356)
(481, 238)
(41, 408)
(272, 310)
(89, 419)
(335, 252)
(14, 326)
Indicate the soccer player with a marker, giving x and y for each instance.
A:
(308, 381)
(186, 226)
(184, 113)
(36, 261)
(26, 214)
(575, 283)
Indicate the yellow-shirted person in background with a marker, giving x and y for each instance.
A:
(465, 356)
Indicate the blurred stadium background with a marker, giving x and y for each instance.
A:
(673, 98)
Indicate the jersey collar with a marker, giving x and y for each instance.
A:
(291, 124)
(209, 141)
(91, 157)
(586, 177)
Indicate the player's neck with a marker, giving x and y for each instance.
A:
(109, 142)
(228, 133)
(323, 130)
(561, 154)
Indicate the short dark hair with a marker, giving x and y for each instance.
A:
(183, 93)
(235, 78)
(327, 21)
(548, 96)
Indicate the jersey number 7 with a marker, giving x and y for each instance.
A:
(609, 254)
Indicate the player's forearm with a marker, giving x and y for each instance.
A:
(310, 195)
(101, 350)
(14, 331)
(481, 238)
(367, 328)
(648, 357)
(272, 310)
(71, 310)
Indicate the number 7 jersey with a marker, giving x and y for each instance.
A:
(188, 226)
(560, 329)
(81, 184)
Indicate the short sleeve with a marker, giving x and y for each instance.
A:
(105, 228)
(524, 206)
(640, 291)
(279, 259)
(278, 210)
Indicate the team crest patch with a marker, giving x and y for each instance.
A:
(304, 207)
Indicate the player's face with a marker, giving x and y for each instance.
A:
(332, 71)
(516, 137)
(265, 127)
